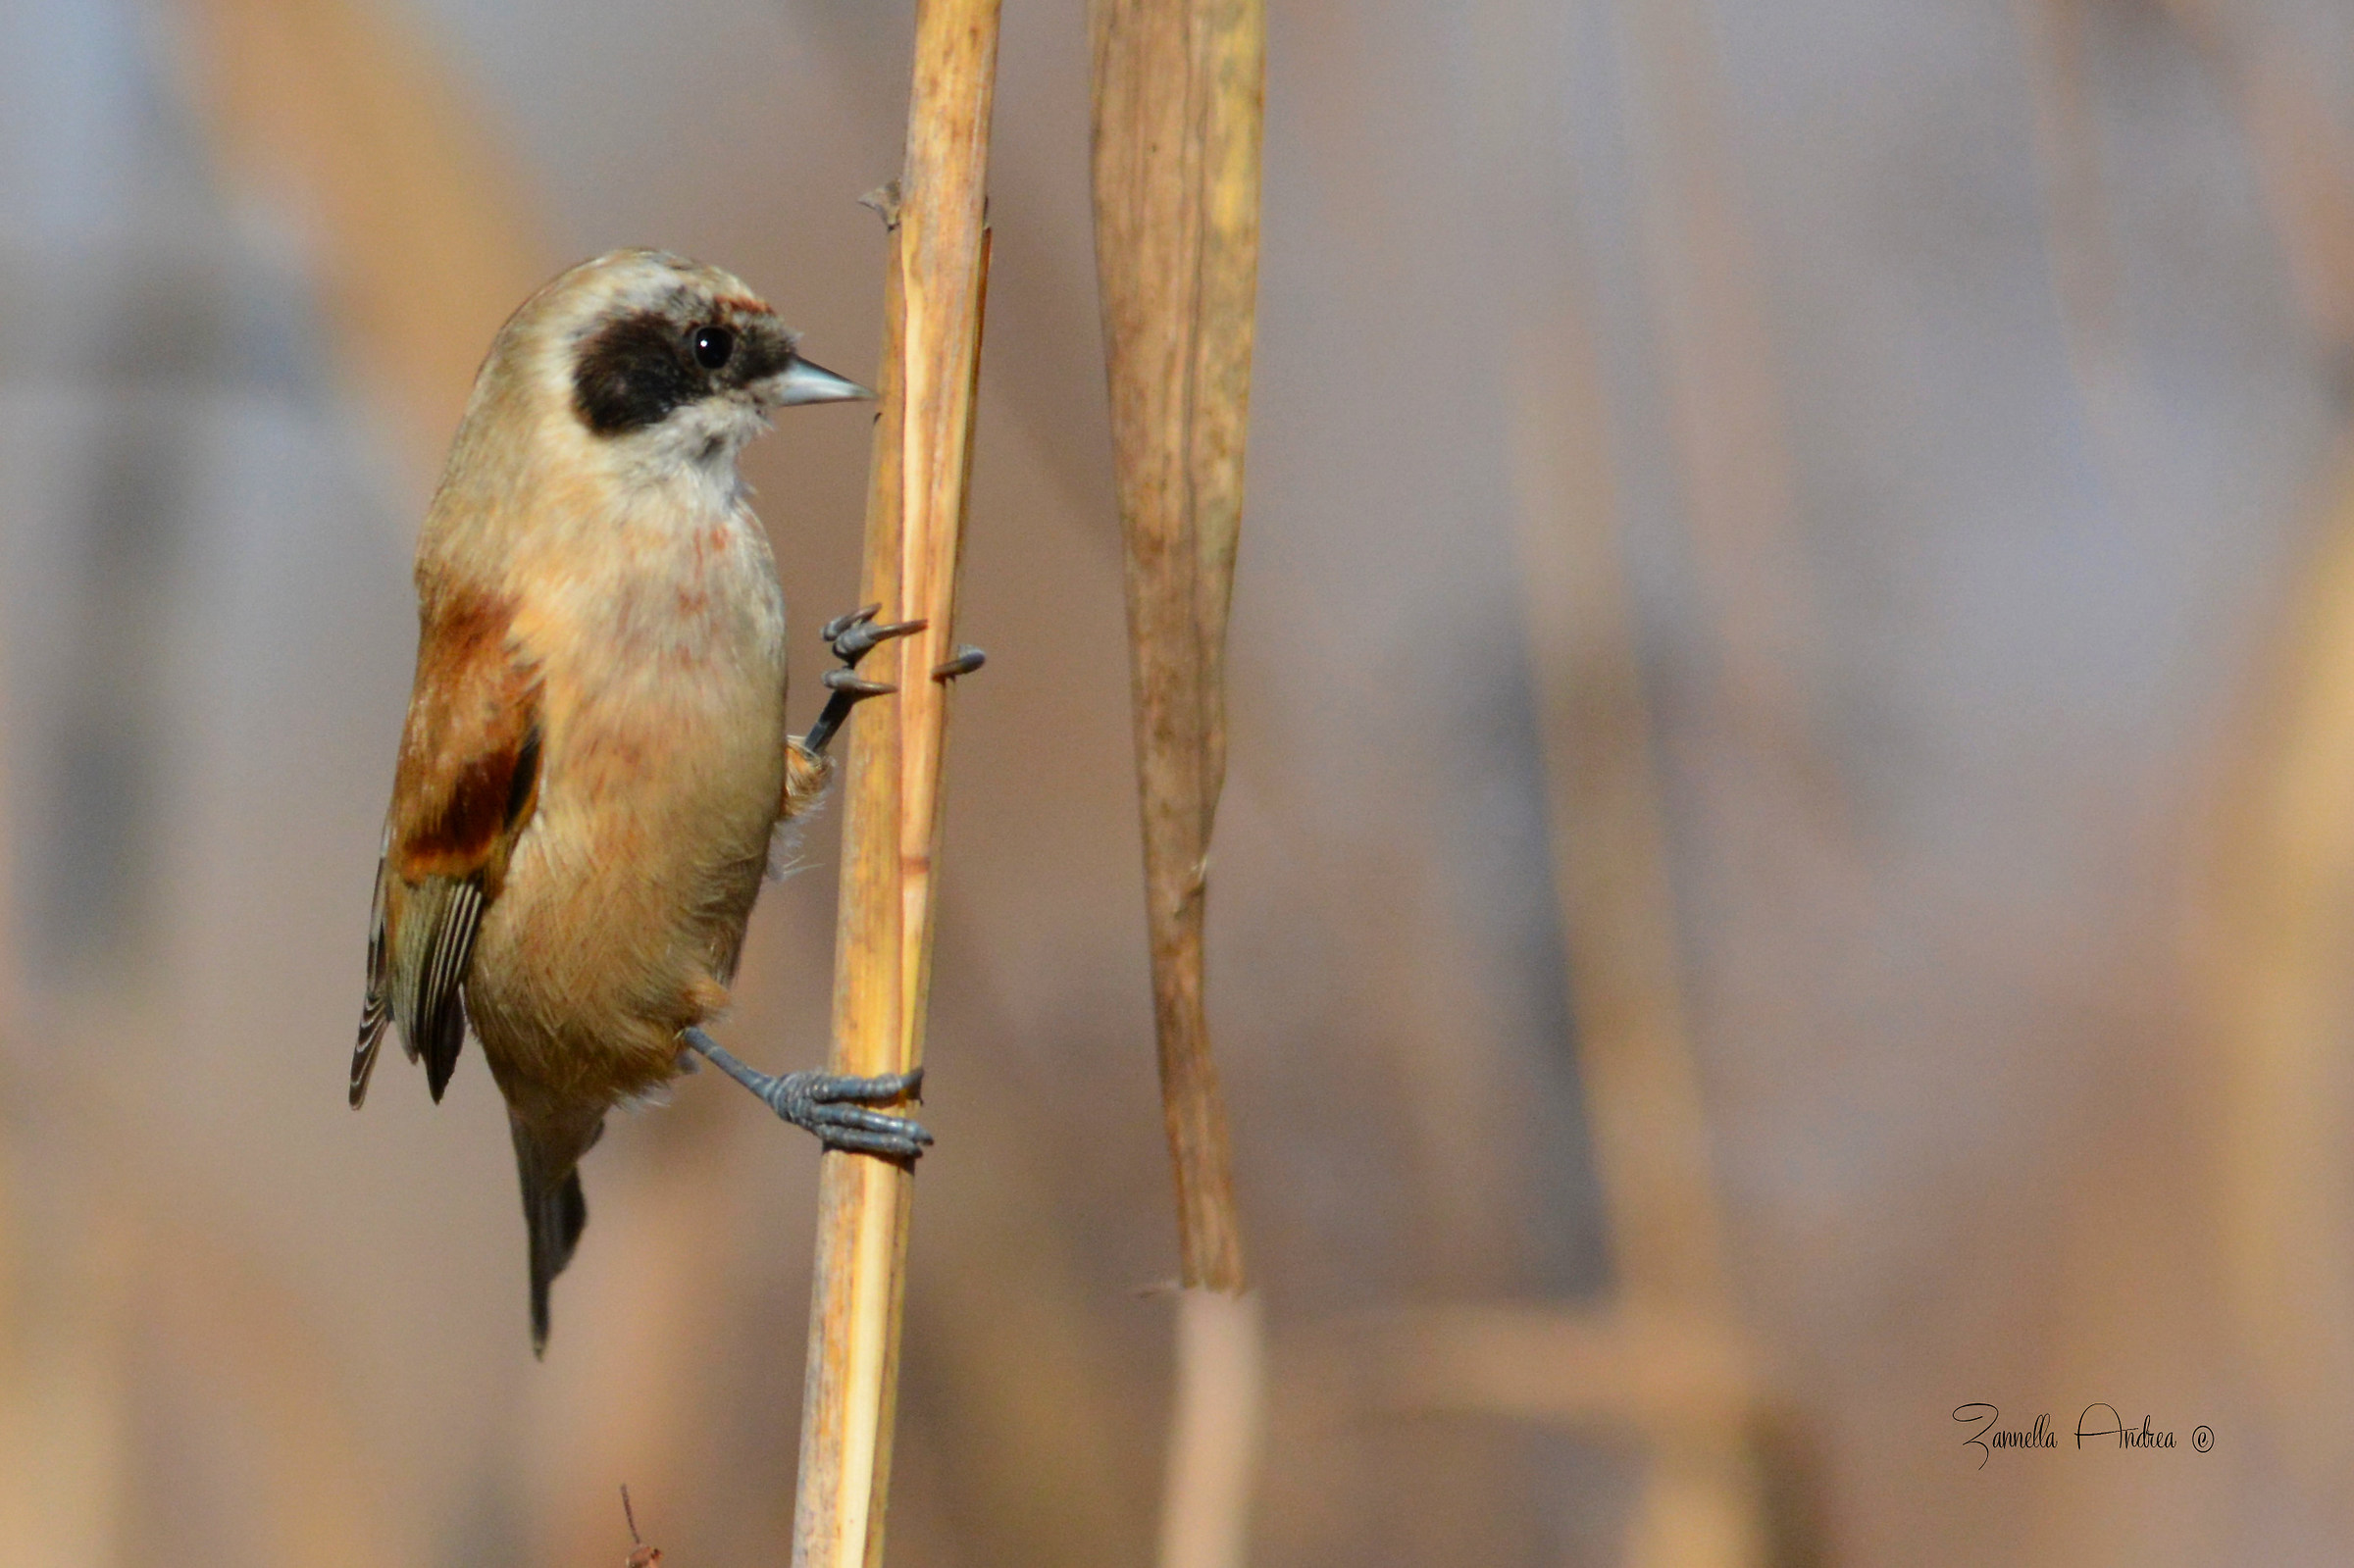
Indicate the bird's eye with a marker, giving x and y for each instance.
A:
(712, 347)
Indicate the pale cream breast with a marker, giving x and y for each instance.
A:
(661, 653)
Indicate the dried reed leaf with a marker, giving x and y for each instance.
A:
(1178, 110)
(1178, 99)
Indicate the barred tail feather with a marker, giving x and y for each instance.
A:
(376, 1011)
(374, 1018)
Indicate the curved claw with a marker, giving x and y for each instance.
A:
(964, 661)
(849, 681)
(859, 640)
(842, 624)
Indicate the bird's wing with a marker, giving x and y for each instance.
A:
(375, 1010)
(465, 787)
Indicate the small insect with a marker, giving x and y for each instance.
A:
(641, 1555)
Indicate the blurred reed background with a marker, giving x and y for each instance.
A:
(1787, 866)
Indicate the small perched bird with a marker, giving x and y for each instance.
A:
(595, 756)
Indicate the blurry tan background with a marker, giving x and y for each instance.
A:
(1934, 411)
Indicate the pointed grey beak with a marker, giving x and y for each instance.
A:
(803, 382)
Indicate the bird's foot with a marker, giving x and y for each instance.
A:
(831, 1105)
(852, 637)
(834, 1107)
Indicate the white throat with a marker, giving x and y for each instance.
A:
(689, 458)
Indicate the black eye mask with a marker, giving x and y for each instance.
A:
(633, 370)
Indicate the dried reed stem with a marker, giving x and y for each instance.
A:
(2280, 922)
(1178, 90)
(1700, 1503)
(21, 1503)
(1723, 389)
(891, 829)
(1610, 844)
(2281, 870)
(1214, 1430)
(1179, 96)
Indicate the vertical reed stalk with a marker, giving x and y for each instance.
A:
(1700, 1503)
(891, 829)
(18, 1520)
(1179, 101)
(2280, 869)
(1723, 390)
(2279, 923)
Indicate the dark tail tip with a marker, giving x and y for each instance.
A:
(557, 1217)
(439, 1065)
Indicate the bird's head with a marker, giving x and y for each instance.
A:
(655, 363)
